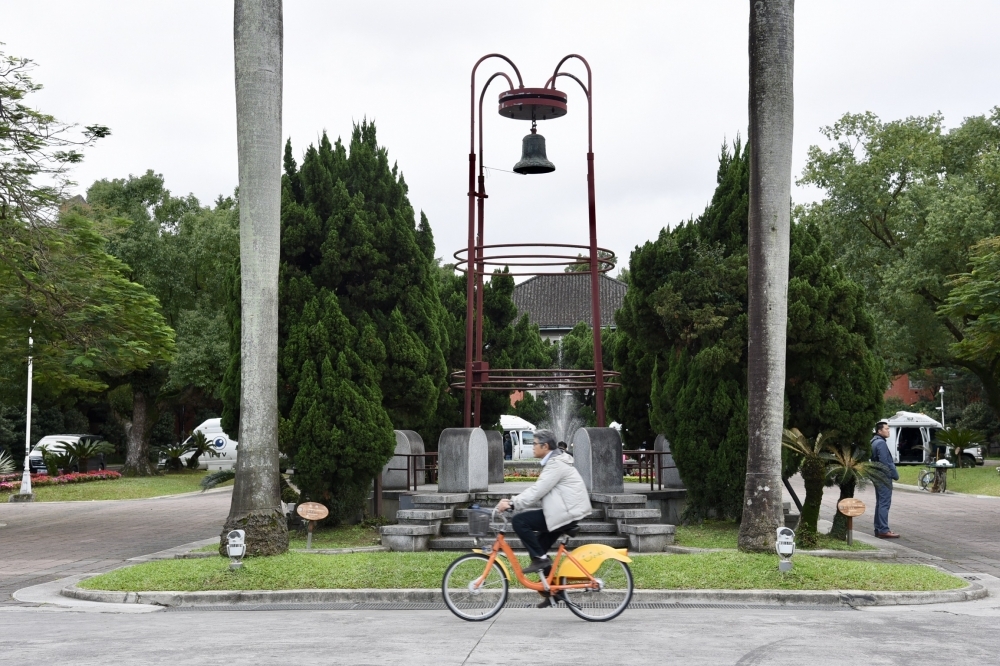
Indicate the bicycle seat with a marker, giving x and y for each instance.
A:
(572, 529)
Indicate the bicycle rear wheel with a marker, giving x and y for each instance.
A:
(608, 602)
(466, 599)
(925, 479)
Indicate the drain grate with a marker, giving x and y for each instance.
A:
(390, 606)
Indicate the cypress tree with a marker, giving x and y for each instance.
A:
(686, 309)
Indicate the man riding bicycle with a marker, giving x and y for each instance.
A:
(564, 499)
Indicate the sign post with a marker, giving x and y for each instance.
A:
(850, 507)
(311, 512)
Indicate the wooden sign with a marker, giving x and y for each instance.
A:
(312, 511)
(851, 507)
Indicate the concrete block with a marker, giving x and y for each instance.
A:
(395, 479)
(670, 478)
(407, 538)
(463, 461)
(430, 517)
(597, 455)
(494, 447)
(648, 538)
(440, 500)
(618, 500)
(417, 448)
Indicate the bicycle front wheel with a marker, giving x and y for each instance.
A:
(468, 597)
(925, 479)
(608, 602)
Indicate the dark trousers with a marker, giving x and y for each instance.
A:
(530, 527)
(883, 499)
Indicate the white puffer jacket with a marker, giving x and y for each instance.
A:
(561, 491)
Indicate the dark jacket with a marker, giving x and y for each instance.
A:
(880, 454)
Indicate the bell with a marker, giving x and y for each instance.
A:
(533, 159)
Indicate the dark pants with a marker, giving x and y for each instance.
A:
(530, 527)
(883, 499)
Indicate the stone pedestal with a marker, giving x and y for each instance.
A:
(417, 448)
(494, 447)
(463, 461)
(395, 478)
(597, 455)
(648, 538)
(670, 477)
(25, 497)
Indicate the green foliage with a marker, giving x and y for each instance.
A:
(216, 478)
(850, 467)
(975, 300)
(629, 404)
(686, 315)
(84, 449)
(813, 468)
(531, 409)
(6, 463)
(172, 454)
(905, 202)
(199, 446)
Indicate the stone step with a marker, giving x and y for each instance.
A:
(408, 516)
(633, 514)
(467, 543)
(436, 500)
(462, 514)
(462, 529)
(617, 500)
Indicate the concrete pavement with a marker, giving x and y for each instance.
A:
(46, 541)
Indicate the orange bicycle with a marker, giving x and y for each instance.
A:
(593, 581)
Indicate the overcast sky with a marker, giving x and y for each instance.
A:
(670, 86)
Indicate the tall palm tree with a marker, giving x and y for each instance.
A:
(256, 504)
(770, 106)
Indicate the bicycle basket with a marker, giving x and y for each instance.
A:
(479, 522)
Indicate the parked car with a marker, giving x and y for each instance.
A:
(911, 440)
(226, 449)
(53, 444)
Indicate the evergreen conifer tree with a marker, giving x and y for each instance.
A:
(686, 309)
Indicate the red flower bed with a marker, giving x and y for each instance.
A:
(8, 484)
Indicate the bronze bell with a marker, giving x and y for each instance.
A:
(533, 158)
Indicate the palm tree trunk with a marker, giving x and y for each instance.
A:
(839, 528)
(256, 503)
(771, 59)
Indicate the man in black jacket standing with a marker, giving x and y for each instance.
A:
(883, 492)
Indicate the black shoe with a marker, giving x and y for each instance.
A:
(553, 601)
(538, 565)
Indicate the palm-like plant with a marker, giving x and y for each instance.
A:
(6, 463)
(85, 449)
(813, 470)
(958, 439)
(173, 454)
(849, 469)
(199, 446)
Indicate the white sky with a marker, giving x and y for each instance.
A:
(670, 85)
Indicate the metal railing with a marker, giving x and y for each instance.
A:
(415, 464)
(649, 464)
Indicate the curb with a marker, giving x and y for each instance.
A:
(311, 551)
(853, 598)
(880, 554)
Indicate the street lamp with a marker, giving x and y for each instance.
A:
(25, 490)
(941, 391)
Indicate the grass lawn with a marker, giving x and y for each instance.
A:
(424, 570)
(343, 536)
(973, 480)
(173, 483)
(723, 533)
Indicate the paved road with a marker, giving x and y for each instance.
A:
(690, 636)
(45, 541)
(962, 530)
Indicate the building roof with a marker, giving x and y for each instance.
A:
(563, 301)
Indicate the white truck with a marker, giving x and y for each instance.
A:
(518, 437)
(911, 437)
(226, 449)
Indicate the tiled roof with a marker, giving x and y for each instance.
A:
(563, 301)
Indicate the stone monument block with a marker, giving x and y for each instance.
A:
(597, 454)
(463, 461)
(417, 448)
(670, 477)
(494, 444)
(395, 479)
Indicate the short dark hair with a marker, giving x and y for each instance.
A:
(878, 426)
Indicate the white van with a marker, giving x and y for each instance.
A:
(226, 449)
(518, 437)
(52, 444)
(911, 436)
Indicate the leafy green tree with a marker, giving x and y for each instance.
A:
(686, 310)
(905, 201)
(531, 409)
